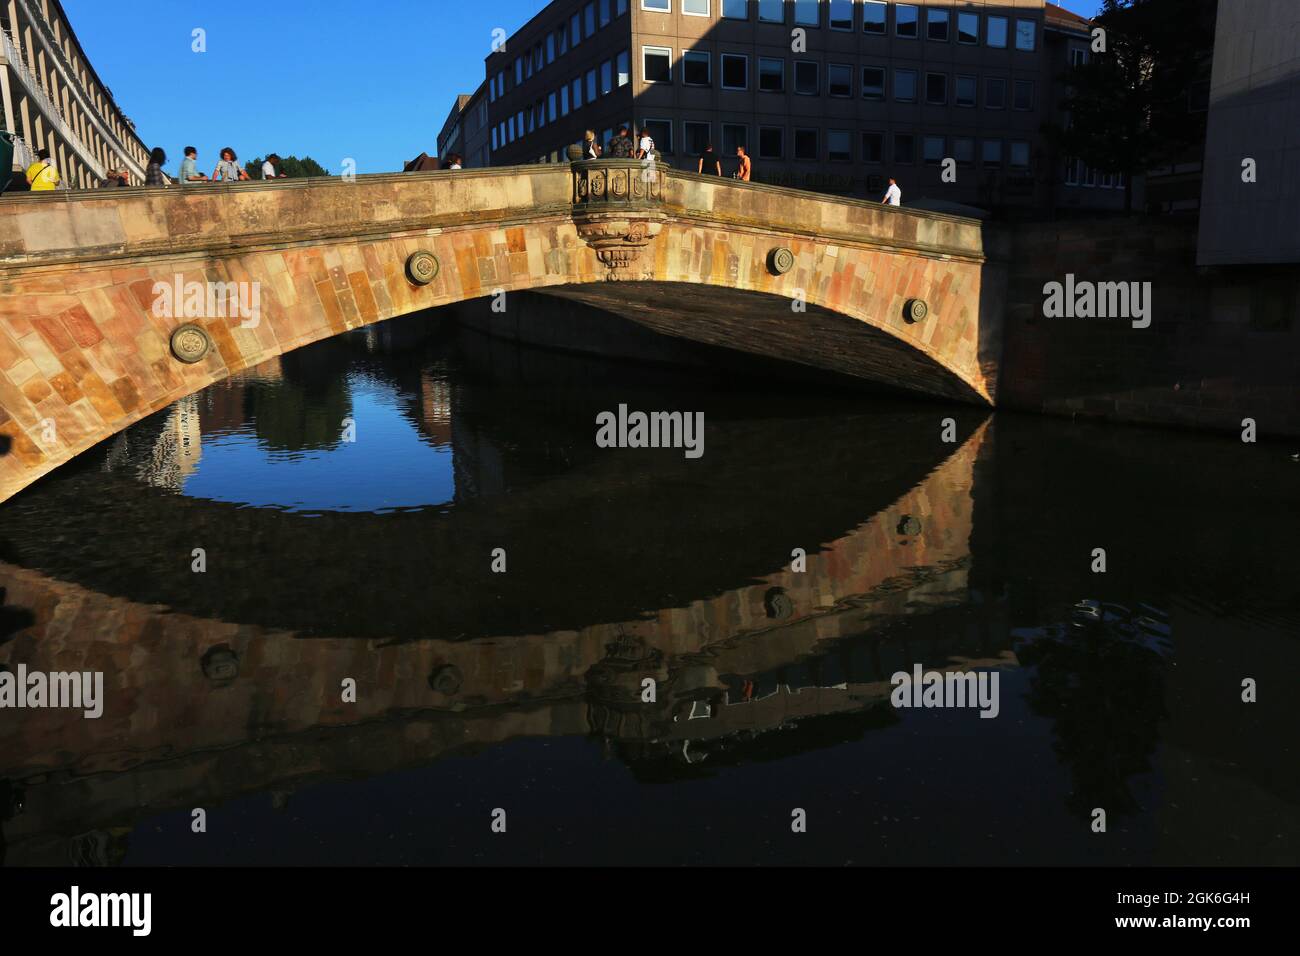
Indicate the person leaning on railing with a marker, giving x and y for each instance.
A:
(41, 175)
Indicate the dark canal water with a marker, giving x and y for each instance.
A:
(348, 500)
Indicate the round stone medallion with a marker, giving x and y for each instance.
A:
(909, 527)
(422, 267)
(916, 310)
(190, 343)
(780, 261)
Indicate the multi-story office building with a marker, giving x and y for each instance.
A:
(834, 95)
(52, 98)
(466, 129)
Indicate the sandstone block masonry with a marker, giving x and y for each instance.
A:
(84, 353)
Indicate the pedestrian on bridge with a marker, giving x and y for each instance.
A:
(41, 175)
(190, 168)
(153, 173)
(228, 169)
(893, 195)
(590, 148)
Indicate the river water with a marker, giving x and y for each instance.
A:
(378, 600)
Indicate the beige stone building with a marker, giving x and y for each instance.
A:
(52, 98)
(833, 95)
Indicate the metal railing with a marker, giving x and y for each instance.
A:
(48, 107)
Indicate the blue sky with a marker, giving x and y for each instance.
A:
(330, 79)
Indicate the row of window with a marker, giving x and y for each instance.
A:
(583, 25)
(1079, 173)
(940, 26)
(963, 89)
(581, 90)
(807, 144)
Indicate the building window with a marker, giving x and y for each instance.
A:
(605, 17)
(963, 150)
(661, 131)
(552, 107)
(562, 40)
(519, 70)
(807, 12)
(539, 57)
(932, 150)
(1078, 56)
(697, 68)
(606, 77)
(659, 6)
(1020, 155)
(735, 9)
(589, 15)
(519, 123)
(805, 144)
(874, 15)
(733, 135)
(550, 49)
(995, 93)
(735, 71)
(656, 64)
(841, 14)
(591, 85)
(904, 148)
(906, 20)
(839, 146)
(806, 79)
(771, 142)
(577, 93)
(936, 88)
(624, 69)
(873, 147)
(936, 25)
(771, 11)
(564, 100)
(905, 86)
(695, 8)
(873, 82)
(620, 7)
(771, 74)
(997, 32)
(968, 28)
(494, 138)
(695, 137)
(839, 79)
(967, 90)
(1026, 35)
(991, 152)
(1023, 95)
(575, 30)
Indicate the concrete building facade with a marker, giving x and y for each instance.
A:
(51, 98)
(1250, 204)
(831, 95)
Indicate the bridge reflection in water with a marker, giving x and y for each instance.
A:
(623, 566)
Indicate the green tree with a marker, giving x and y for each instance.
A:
(291, 166)
(1128, 106)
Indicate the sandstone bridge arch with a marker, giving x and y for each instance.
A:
(85, 353)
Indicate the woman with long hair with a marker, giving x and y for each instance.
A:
(228, 169)
(153, 173)
(590, 148)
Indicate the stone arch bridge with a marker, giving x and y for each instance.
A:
(94, 287)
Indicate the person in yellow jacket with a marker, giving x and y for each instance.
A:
(41, 175)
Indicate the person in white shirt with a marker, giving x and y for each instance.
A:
(893, 195)
(269, 168)
(646, 146)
